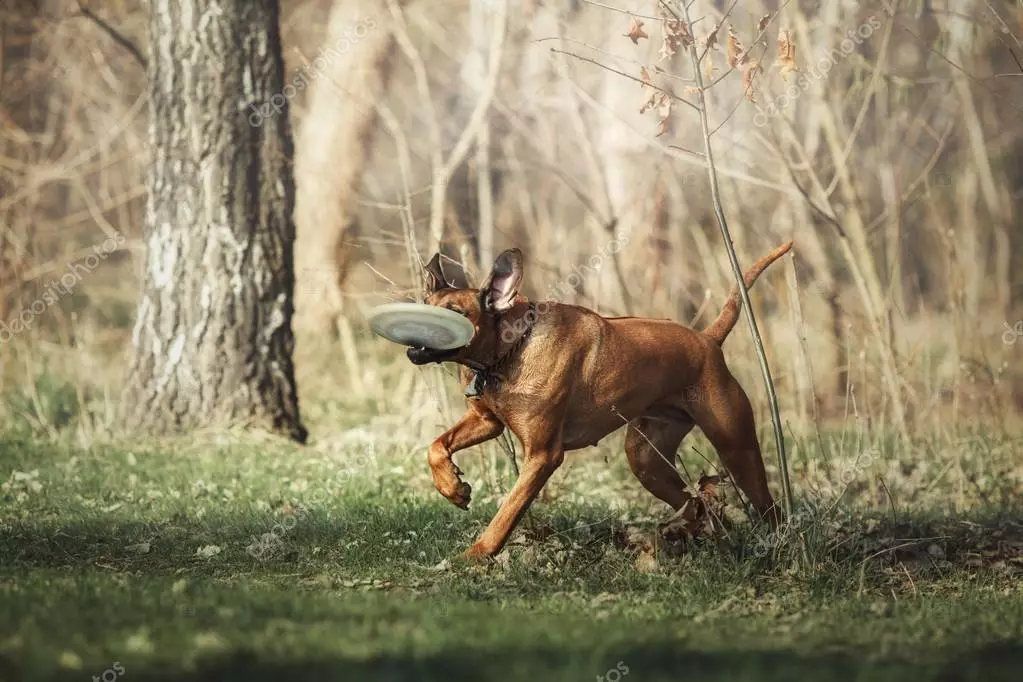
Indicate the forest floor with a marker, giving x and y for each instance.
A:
(234, 558)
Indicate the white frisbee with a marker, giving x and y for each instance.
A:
(421, 325)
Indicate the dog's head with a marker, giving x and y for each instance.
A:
(482, 307)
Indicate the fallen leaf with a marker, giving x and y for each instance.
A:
(207, 551)
(444, 565)
(636, 31)
(646, 563)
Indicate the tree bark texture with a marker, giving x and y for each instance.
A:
(213, 341)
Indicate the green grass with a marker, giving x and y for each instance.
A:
(102, 559)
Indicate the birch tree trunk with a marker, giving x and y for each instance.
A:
(212, 342)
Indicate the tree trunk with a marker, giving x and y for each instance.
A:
(213, 342)
(336, 141)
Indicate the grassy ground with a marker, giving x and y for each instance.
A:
(238, 559)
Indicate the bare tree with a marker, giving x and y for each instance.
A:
(213, 339)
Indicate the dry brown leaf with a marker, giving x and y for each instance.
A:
(650, 102)
(676, 34)
(692, 90)
(664, 106)
(636, 31)
(764, 21)
(646, 563)
(786, 54)
(711, 41)
(735, 51)
(749, 70)
(697, 516)
(644, 76)
(680, 31)
(708, 487)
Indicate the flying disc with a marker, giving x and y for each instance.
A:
(421, 325)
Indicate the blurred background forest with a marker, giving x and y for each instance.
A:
(481, 125)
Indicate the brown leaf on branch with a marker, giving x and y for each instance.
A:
(664, 106)
(664, 115)
(647, 82)
(749, 71)
(636, 31)
(650, 102)
(644, 76)
(786, 62)
(676, 34)
(711, 41)
(736, 54)
(764, 21)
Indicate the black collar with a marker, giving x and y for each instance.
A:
(488, 376)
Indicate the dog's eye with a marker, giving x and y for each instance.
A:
(456, 310)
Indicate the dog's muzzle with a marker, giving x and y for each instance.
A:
(423, 356)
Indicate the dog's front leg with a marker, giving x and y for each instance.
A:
(539, 463)
(476, 426)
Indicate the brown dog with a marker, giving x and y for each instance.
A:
(562, 377)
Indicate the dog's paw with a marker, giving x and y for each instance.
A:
(476, 555)
(447, 479)
(461, 496)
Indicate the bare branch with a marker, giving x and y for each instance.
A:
(114, 34)
(627, 75)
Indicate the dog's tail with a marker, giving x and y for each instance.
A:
(726, 319)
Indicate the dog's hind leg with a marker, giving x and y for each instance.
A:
(725, 416)
(650, 446)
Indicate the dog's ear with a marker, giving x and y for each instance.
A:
(435, 276)
(501, 287)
